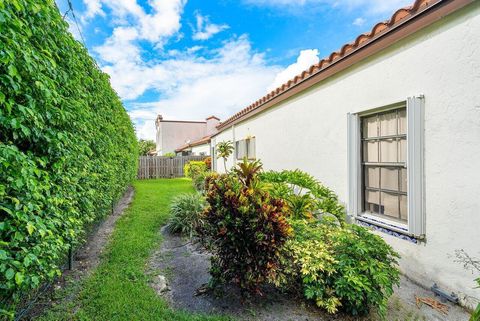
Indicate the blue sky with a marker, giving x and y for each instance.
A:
(189, 59)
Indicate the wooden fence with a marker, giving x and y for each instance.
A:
(163, 167)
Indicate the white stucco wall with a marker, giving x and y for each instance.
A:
(197, 150)
(226, 135)
(309, 131)
(174, 134)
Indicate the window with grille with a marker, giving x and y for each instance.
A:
(384, 169)
(386, 166)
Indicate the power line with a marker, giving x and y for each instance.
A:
(70, 9)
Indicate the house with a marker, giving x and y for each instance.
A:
(199, 147)
(390, 122)
(173, 135)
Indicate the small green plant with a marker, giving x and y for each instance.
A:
(247, 171)
(345, 268)
(199, 182)
(476, 314)
(186, 214)
(285, 183)
(472, 264)
(224, 150)
(302, 206)
(169, 154)
(194, 168)
(245, 230)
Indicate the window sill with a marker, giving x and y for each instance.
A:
(383, 225)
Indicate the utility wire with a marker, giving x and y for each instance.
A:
(66, 13)
(70, 9)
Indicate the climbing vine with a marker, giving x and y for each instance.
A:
(67, 146)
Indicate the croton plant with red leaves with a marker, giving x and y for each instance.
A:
(245, 230)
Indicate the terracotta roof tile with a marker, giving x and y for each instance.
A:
(363, 39)
(201, 141)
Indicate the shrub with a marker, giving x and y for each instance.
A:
(342, 267)
(249, 230)
(245, 229)
(67, 146)
(284, 184)
(208, 162)
(186, 214)
(169, 154)
(199, 182)
(194, 168)
(145, 146)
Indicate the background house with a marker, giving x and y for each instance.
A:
(175, 134)
(391, 122)
(199, 147)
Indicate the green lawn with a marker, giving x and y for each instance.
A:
(118, 289)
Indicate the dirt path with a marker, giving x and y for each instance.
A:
(179, 268)
(86, 259)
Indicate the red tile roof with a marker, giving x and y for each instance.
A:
(201, 141)
(380, 29)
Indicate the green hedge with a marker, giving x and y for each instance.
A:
(67, 146)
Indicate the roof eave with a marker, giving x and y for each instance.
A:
(381, 40)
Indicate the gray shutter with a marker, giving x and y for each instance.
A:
(354, 166)
(415, 166)
(251, 148)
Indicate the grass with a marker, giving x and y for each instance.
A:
(118, 289)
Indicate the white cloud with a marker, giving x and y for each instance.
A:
(305, 59)
(205, 29)
(164, 22)
(359, 21)
(371, 7)
(119, 47)
(190, 83)
(161, 23)
(194, 87)
(93, 8)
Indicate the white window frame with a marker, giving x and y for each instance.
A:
(415, 169)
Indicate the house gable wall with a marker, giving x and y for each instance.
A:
(174, 134)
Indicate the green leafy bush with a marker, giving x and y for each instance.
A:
(345, 268)
(186, 214)
(194, 168)
(67, 146)
(249, 229)
(145, 146)
(284, 184)
(245, 229)
(199, 182)
(169, 154)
